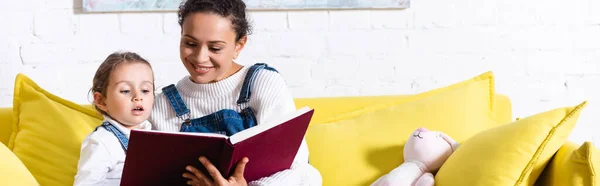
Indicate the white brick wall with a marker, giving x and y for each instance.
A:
(545, 54)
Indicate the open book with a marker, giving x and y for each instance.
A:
(160, 158)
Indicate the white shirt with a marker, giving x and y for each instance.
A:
(102, 157)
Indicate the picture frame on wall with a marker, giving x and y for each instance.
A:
(172, 5)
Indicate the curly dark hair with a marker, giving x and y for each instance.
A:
(235, 10)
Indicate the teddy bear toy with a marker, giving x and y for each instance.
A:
(424, 153)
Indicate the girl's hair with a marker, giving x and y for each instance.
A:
(113, 61)
(235, 10)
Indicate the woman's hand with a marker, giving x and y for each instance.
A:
(198, 178)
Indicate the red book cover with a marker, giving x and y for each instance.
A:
(160, 158)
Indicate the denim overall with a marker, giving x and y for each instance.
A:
(120, 136)
(226, 121)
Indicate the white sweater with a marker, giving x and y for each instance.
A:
(270, 97)
(102, 157)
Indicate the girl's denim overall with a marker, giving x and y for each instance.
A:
(120, 136)
(226, 121)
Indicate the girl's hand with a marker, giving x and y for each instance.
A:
(198, 178)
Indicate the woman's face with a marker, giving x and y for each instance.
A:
(208, 47)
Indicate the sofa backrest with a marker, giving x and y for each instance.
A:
(325, 107)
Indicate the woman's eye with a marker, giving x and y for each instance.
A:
(190, 44)
(215, 49)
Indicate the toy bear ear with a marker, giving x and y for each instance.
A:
(450, 141)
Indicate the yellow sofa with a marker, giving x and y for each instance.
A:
(341, 139)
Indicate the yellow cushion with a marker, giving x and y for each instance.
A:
(573, 165)
(48, 131)
(5, 125)
(366, 144)
(12, 170)
(510, 154)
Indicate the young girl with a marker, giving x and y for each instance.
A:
(123, 89)
(213, 33)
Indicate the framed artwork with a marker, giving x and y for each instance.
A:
(172, 5)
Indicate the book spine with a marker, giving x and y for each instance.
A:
(225, 166)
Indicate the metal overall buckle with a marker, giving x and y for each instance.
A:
(186, 118)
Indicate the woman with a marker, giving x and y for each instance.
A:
(213, 33)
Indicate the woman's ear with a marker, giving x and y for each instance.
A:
(239, 46)
(100, 101)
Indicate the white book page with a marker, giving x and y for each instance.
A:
(245, 134)
(186, 133)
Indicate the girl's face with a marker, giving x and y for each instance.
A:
(129, 95)
(208, 47)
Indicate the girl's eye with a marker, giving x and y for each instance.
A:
(146, 91)
(124, 91)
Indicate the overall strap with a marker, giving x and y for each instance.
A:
(122, 138)
(177, 103)
(249, 79)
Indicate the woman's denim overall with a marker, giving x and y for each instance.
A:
(226, 121)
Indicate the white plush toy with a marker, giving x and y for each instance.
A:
(424, 153)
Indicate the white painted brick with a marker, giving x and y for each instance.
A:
(308, 20)
(147, 24)
(346, 43)
(340, 91)
(385, 42)
(359, 42)
(339, 71)
(562, 63)
(349, 20)
(534, 38)
(8, 72)
(269, 21)
(376, 71)
(258, 45)
(591, 14)
(547, 13)
(464, 40)
(588, 63)
(586, 37)
(97, 24)
(171, 24)
(392, 19)
(16, 23)
(161, 49)
(81, 77)
(59, 23)
(94, 48)
(296, 72)
(581, 88)
(307, 44)
(521, 13)
(475, 12)
(167, 73)
(57, 4)
(42, 53)
(10, 52)
(7, 6)
(434, 13)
